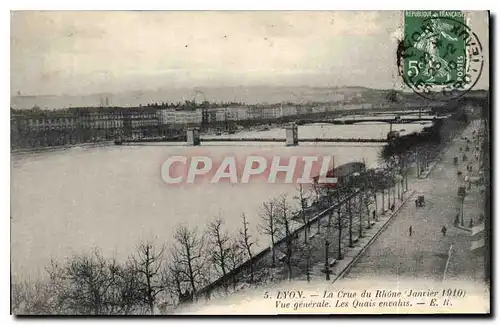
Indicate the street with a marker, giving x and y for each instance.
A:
(424, 254)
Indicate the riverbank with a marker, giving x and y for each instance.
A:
(424, 147)
(60, 148)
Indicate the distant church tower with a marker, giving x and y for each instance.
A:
(104, 102)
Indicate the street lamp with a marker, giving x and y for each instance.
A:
(327, 264)
(461, 195)
(462, 221)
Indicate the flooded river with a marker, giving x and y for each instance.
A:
(113, 197)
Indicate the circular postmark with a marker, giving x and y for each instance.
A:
(440, 58)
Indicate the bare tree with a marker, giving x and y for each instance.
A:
(388, 186)
(301, 257)
(367, 200)
(327, 237)
(268, 225)
(318, 191)
(350, 218)
(316, 187)
(187, 254)
(126, 289)
(235, 258)
(343, 220)
(148, 263)
(405, 169)
(246, 243)
(328, 195)
(384, 183)
(86, 284)
(306, 249)
(285, 221)
(32, 298)
(307, 252)
(219, 245)
(373, 187)
(361, 212)
(83, 285)
(339, 225)
(356, 208)
(301, 197)
(177, 281)
(392, 165)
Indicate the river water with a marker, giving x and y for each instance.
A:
(112, 197)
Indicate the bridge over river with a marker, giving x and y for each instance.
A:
(193, 136)
(374, 119)
(244, 139)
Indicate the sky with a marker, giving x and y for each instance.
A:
(84, 52)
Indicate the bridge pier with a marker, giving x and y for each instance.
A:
(292, 135)
(193, 137)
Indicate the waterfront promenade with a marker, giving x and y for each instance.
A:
(426, 253)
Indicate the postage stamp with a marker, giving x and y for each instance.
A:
(440, 57)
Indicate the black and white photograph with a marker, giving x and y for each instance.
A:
(250, 162)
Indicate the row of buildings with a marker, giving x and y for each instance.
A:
(41, 128)
(241, 113)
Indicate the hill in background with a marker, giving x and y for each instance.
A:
(247, 95)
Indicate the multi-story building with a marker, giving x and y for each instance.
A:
(140, 122)
(105, 119)
(51, 120)
(212, 116)
(222, 114)
(94, 124)
(288, 110)
(255, 113)
(273, 112)
(166, 116)
(170, 125)
(302, 110)
(239, 113)
(18, 130)
(41, 128)
(36, 128)
(105, 123)
(188, 117)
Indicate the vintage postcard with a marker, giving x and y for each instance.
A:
(250, 162)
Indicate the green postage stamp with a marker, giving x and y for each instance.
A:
(440, 57)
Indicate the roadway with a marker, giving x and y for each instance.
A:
(424, 255)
